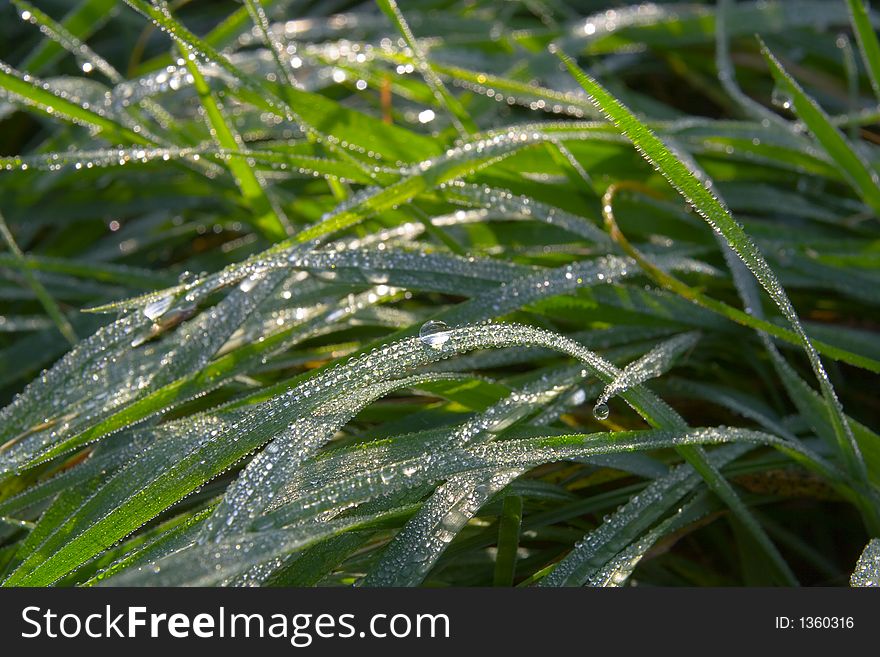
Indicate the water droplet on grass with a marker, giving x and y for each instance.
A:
(601, 411)
(434, 334)
(157, 308)
(781, 98)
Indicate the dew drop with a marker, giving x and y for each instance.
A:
(781, 98)
(601, 411)
(434, 334)
(157, 308)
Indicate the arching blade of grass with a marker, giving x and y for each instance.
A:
(867, 39)
(859, 172)
(658, 414)
(719, 218)
(306, 525)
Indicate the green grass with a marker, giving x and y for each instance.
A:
(441, 294)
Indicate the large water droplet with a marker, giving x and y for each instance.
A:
(155, 309)
(601, 411)
(434, 334)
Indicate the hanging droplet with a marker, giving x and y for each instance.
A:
(157, 308)
(781, 98)
(601, 411)
(434, 334)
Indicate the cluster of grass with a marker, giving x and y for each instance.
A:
(441, 293)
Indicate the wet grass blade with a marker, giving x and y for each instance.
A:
(867, 40)
(859, 172)
(710, 208)
(35, 96)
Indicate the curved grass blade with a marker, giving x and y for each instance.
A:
(417, 547)
(184, 456)
(859, 172)
(649, 366)
(719, 218)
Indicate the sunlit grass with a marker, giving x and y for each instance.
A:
(439, 294)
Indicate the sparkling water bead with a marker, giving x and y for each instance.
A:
(155, 309)
(601, 411)
(434, 334)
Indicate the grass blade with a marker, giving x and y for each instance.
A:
(860, 174)
(719, 218)
(867, 39)
(508, 541)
